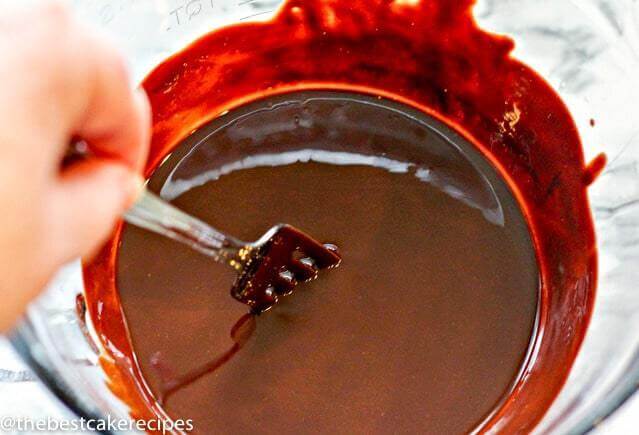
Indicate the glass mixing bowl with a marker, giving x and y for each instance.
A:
(587, 49)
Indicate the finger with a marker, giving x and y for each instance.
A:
(86, 91)
(116, 119)
(88, 201)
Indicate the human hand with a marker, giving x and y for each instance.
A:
(59, 82)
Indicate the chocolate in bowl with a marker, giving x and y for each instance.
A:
(436, 297)
(450, 72)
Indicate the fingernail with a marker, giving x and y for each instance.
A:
(135, 189)
(147, 115)
(143, 98)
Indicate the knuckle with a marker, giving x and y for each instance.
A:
(114, 63)
(54, 27)
(55, 12)
(47, 38)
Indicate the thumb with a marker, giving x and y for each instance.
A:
(89, 200)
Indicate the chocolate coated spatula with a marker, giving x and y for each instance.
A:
(268, 268)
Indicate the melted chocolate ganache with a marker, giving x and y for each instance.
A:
(450, 176)
(436, 297)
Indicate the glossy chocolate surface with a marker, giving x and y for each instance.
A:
(427, 321)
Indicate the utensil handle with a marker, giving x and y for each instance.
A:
(154, 214)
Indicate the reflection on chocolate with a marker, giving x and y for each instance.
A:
(429, 318)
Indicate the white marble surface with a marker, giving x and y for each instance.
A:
(29, 399)
(23, 399)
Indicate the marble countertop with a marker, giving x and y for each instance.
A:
(23, 397)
